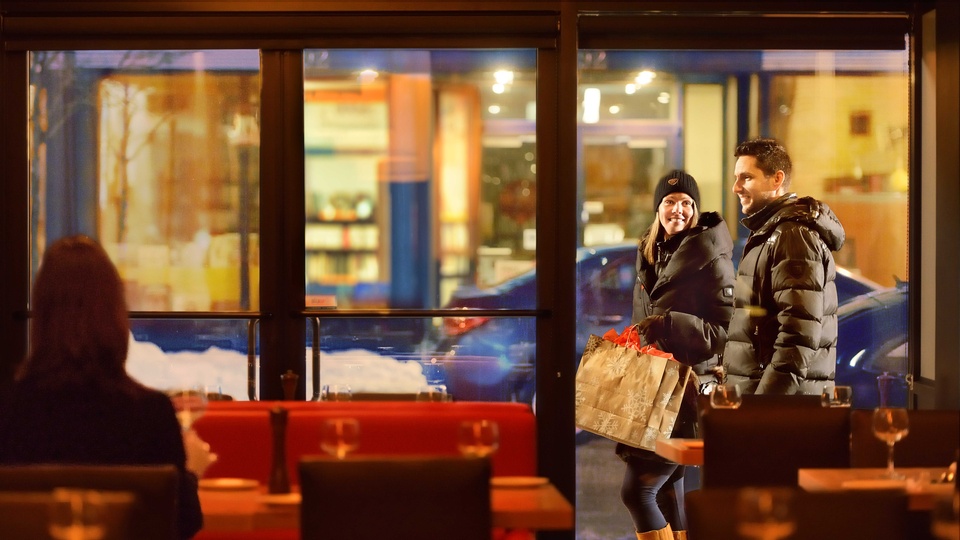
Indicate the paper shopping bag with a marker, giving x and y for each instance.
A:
(628, 395)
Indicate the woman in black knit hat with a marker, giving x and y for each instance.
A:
(682, 303)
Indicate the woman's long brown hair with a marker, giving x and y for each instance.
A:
(79, 330)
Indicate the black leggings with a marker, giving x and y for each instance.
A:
(652, 491)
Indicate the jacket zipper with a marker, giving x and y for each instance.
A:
(756, 337)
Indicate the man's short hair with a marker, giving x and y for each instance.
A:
(771, 157)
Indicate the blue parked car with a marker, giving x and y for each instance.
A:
(872, 319)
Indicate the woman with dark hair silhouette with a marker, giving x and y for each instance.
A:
(72, 401)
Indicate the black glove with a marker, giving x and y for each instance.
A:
(651, 328)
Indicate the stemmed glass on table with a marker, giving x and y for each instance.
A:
(890, 424)
(726, 396)
(189, 404)
(837, 396)
(478, 438)
(76, 514)
(433, 392)
(340, 436)
(336, 392)
(765, 513)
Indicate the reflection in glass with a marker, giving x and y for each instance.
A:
(844, 117)
(494, 361)
(420, 174)
(118, 138)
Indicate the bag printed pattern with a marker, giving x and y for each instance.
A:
(628, 395)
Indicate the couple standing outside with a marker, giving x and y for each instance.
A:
(775, 322)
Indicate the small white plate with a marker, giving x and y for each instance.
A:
(228, 484)
(280, 499)
(518, 481)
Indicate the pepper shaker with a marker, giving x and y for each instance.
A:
(279, 478)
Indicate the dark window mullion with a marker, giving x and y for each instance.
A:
(282, 334)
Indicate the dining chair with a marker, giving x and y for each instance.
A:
(931, 442)
(415, 497)
(24, 515)
(151, 514)
(780, 400)
(31, 515)
(751, 401)
(766, 446)
(874, 514)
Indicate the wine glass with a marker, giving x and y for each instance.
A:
(76, 514)
(189, 404)
(765, 513)
(433, 392)
(478, 438)
(726, 396)
(336, 392)
(837, 396)
(340, 436)
(890, 424)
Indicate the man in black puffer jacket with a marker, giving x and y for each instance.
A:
(783, 335)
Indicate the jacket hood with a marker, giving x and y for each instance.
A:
(805, 210)
(702, 244)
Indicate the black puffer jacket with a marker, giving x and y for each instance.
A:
(783, 335)
(691, 284)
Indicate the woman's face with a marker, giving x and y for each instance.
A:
(675, 213)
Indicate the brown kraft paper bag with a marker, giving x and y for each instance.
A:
(628, 395)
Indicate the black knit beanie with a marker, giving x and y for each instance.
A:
(676, 181)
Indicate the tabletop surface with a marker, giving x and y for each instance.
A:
(539, 507)
(682, 451)
(921, 483)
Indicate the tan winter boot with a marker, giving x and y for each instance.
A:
(679, 535)
(665, 533)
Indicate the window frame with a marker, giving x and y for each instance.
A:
(552, 27)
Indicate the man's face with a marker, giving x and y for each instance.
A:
(753, 188)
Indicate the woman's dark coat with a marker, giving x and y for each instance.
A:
(691, 285)
(118, 422)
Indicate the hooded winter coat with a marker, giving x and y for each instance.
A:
(691, 284)
(783, 335)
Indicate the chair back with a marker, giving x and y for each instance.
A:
(370, 498)
(152, 514)
(24, 515)
(780, 400)
(751, 401)
(931, 442)
(766, 446)
(878, 515)
(28, 515)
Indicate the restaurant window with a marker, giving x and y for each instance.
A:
(420, 193)
(156, 155)
(419, 188)
(843, 116)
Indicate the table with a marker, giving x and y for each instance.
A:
(922, 493)
(533, 508)
(682, 451)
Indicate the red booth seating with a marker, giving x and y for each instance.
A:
(239, 432)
